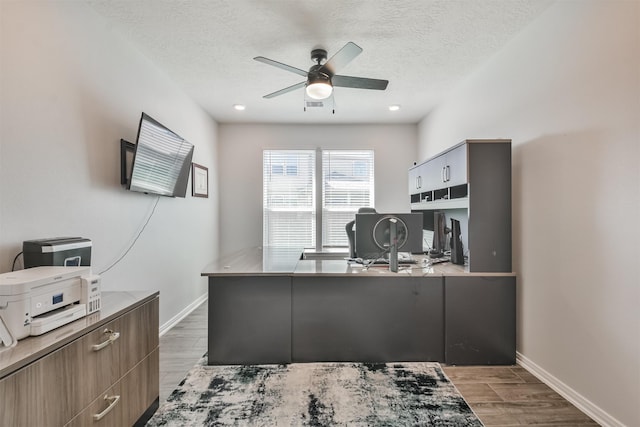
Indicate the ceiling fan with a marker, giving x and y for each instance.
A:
(322, 77)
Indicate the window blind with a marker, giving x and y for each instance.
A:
(289, 209)
(347, 185)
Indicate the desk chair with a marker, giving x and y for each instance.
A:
(351, 234)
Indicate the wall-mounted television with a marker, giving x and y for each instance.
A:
(161, 160)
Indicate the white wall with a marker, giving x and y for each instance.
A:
(70, 89)
(567, 91)
(241, 146)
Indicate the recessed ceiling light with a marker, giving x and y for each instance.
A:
(394, 107)
(239, 107)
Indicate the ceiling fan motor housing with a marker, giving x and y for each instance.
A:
(319, 55)
(318, 74)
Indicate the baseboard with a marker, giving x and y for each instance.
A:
(578, 400)
(184, 313)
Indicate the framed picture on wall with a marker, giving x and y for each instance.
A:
(199, 180)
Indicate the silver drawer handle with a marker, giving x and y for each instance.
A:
(113, 401)
(112, 337)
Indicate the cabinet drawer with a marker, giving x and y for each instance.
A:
(100, 366)
(138, 334)
(45, 393)
(106, 362)
(109, 404)
(137, 390)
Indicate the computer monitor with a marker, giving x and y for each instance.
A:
(373, 232)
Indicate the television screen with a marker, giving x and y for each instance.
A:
(161, 161)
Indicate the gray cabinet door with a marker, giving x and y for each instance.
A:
(367, 319)
(249, 320)
(480, 319)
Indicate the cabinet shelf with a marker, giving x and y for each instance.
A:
(462, 203)
(447, 194)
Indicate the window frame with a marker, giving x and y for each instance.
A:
(321, 240)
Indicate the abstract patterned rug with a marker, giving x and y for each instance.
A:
(316, 394)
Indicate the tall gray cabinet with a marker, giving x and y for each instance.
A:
(472, 179)
(471, 182)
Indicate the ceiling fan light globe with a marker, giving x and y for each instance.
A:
(319, 90)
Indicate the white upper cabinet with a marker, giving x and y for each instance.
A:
(454, 168)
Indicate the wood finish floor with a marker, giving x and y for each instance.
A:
(511, 396)
(180, 348)
(499, 395)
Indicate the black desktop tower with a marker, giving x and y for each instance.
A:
(439, 231)
(457, 256)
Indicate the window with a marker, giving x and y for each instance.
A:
(285, 164)
(291, 201)
(289, 210)
(347, 185)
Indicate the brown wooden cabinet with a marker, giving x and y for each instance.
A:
(67, 380)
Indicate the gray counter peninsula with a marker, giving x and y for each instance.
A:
(280, 305)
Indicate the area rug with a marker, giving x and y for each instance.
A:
(316, 394)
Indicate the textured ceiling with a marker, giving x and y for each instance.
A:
(423, 47)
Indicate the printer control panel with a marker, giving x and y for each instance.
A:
(65, 293)
(91, 293)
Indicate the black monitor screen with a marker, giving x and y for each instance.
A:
(372, 234)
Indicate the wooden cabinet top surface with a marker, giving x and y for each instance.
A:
(30, 349)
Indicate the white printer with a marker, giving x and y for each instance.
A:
(37, 300)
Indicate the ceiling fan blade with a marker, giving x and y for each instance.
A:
(285, 67)
(286, 89)
(359, 82)
(342, 57)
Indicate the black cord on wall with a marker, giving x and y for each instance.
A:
(13, 266)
